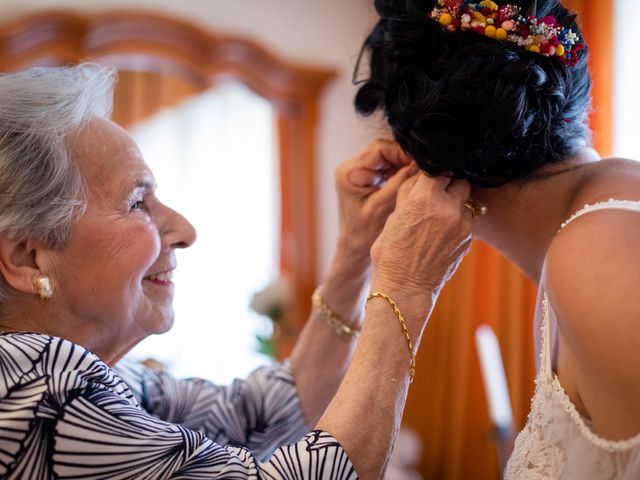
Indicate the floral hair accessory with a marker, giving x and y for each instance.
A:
(546, 36)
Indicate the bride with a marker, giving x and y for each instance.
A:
(499, 94)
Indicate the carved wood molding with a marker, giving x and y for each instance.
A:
(136, 40)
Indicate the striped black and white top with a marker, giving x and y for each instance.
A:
(64, 414)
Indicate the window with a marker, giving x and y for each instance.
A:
(214, 159)
(626, 95)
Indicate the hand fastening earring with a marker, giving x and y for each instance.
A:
(45, 286)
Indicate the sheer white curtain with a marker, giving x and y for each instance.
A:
(214, 158)
(626, 93)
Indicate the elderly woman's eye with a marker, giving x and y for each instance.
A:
(137, 205)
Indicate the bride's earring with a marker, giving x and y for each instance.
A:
(45, 286)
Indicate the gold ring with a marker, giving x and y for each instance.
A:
(477, 209)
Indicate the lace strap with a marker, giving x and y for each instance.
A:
(545, 351)
(629, 205)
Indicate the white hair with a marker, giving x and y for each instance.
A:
(40, 190)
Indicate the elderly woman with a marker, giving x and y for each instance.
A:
(86, 255)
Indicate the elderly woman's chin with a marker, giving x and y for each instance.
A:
(162, 324)
(158, 291)
(162, 316)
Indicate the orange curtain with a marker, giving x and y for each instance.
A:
(447, 403)
(596, 20)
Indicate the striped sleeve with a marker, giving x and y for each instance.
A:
(260, 413)
(101, 436)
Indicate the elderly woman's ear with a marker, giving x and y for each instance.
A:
(22, 263)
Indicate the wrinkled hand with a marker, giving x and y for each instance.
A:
(424, 239)
(367, 186)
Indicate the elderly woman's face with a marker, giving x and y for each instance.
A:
(116, 270)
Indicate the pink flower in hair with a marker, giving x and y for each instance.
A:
(452, 4)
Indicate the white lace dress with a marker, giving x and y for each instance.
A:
(557, 441)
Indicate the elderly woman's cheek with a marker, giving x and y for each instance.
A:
(138, 244)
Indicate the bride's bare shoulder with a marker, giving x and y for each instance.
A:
(593, 247)
(610, 178)
(589, 236)
(592, 270)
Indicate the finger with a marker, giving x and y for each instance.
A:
(389, 191)
(407, 187)
(393, 154)
(459, 189)
(432, 183)
(365, 178)
(383, 155)
(373, 179)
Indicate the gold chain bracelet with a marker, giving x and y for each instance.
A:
(332, 319)
(405, 331)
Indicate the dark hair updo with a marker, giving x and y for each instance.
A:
(486, 110)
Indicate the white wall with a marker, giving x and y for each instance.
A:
(326, 33)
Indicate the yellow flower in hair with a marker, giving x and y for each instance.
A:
(446, 19)
(478, 17)
(489, 4)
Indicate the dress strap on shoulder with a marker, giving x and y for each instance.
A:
(545, 350)
(630, 205)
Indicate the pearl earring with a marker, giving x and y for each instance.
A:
(45, 287)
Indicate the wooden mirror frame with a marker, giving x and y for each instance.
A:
(135, 40)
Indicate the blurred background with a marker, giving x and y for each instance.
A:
(243, 109)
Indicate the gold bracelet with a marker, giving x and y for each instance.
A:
(334, 322)
(405, 331)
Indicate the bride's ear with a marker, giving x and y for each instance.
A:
(19, 263)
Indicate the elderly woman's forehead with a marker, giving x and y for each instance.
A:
(102, 135)
(104, 144)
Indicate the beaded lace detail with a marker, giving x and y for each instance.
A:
(557, 441)
(608, 204)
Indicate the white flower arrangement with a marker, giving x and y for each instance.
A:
(273, 300)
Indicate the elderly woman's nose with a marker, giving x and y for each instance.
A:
(177, 231)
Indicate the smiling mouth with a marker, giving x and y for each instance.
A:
(162, 278)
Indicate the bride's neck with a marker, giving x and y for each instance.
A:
(524, 216)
